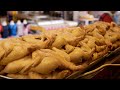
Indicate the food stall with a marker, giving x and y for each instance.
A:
(61, 49)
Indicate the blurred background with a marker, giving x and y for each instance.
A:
(38, 21)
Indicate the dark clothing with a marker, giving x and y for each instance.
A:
(10, 17)
(5, 32)
(106, 18)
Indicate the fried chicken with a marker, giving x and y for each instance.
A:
(18, 66)
(55, 54)
(15, 54)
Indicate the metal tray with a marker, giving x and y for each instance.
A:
(75, 75)
(4, 77)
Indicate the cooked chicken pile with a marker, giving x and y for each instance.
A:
(58, 53)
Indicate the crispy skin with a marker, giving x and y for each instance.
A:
(69, 48)
(17, 66)
(62, 53)
(34, 75)
(37, 56)
(100, 48)
(47, 65)
(18, 52)
(52, 61)
(43, 40)
(64, 63)
(59, 42)
(76, 55)
(2, 52)
(100, 54)
(71, 39)
(1, 67)
(78, 32)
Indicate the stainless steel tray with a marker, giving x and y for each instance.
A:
(4, 77)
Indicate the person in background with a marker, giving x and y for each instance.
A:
(5, 31)
(1, 29)
(97, 14)
(116, 17)
(12, 15)
(106, 16)
(3, 16)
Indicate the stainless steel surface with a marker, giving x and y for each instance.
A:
(4, 77)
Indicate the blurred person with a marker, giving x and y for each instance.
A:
(116, 17)
(12, 15)
(3, 16)
(106, 16)
(97, 14)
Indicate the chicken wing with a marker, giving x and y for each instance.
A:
(59, 42)
(76, 55)
(100, 48)
(62, 53)
(77, 32)
(69, 48)
(100, 54)
(65, 63)
(37, 56)
(71, 39)
(41, 41)
(96, 34)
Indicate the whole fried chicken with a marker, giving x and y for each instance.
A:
(15, 54)
(17, 66)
